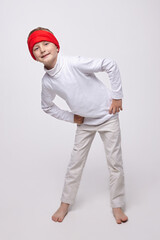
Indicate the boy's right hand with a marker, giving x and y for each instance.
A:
(78, 119)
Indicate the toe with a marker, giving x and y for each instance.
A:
(60, 220)
(118, 221)
(54, 218)
(125, 219)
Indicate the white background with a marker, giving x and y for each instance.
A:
(35, 147)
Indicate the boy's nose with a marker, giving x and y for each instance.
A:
(42, 49)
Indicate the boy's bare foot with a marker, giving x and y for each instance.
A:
(119, 215)
(59, 215)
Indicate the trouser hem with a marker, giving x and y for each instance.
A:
(118, 205)
(67, 201)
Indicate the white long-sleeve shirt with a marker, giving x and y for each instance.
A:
(74, 80)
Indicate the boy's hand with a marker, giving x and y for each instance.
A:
(116, 106)
(78, 119)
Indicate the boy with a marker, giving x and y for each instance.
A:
(93, 108)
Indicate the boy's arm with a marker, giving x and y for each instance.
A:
(93, 65)
(47, 96)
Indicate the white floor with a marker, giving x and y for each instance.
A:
(26, 209)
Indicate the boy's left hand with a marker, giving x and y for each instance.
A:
(116, 106)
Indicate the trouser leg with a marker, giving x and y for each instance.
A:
(82, 144)
(111, 137)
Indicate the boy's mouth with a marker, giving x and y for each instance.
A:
(45, 55)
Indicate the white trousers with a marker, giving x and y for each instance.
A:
(111, 136)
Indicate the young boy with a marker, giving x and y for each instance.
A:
(94, 108)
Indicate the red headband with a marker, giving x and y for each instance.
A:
(39, 36)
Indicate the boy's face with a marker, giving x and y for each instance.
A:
(46, 53)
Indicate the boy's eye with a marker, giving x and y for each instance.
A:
(46, 43)
(35, 49)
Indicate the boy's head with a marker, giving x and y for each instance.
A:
(43, 45)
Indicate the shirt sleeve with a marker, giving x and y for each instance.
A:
(108, 65)
(47, 105)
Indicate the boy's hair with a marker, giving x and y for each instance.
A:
(39, 28)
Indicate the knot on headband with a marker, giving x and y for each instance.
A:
(39, 36)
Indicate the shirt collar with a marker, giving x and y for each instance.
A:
(57, 67)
